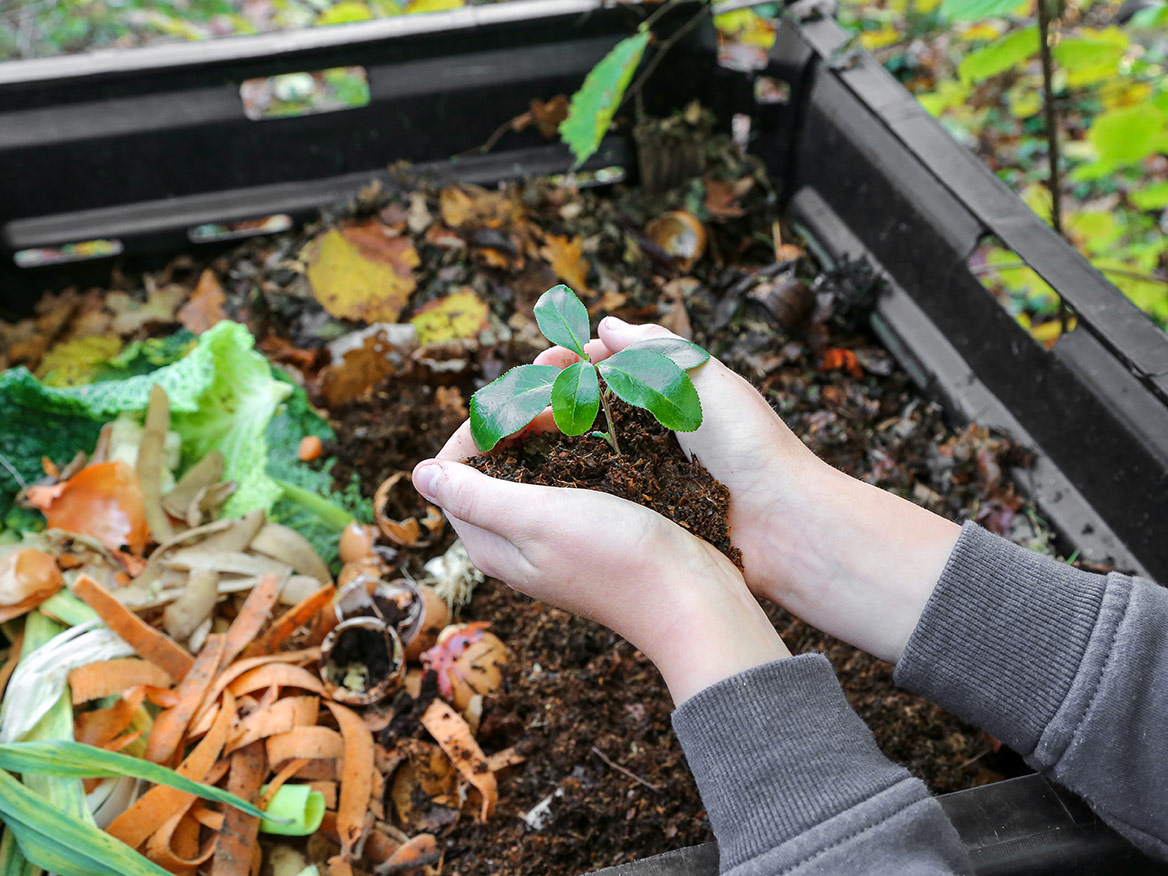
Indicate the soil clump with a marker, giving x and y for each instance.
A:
(651, 470)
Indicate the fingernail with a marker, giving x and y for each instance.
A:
(614, 322)
(425, 476)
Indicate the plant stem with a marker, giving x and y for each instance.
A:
(659, 56)
(611, 425)
(1054, 182)
(334, 516)
(658, 12)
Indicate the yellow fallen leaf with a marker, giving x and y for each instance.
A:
(74, 362)
(466, 205)
(360, 273)
(565, 255)
(879, 38)
(459, 316)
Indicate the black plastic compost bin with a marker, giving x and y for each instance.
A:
(140, 147)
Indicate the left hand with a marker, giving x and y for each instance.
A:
(672, 595)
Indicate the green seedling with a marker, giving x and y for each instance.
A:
(650, 374)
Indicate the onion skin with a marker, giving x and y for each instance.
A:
(103, 501)
(27, 578)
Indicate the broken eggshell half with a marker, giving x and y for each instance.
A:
(398, 603)
(422, 788)
(362, 661)
(395, 495)
(435, 618)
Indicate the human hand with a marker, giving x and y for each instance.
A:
(848, 557)
(673, 596)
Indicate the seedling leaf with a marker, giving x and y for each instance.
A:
(651, 381)
(576, 398)
(563, 319)
(506, 405)
(684, 354)
(595, 103)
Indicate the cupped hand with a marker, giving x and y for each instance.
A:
(673, 596)
(848, 557)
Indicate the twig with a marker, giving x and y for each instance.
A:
(620, 769)
(1118, 272)
(1050, 110)
(658, 12)
(640, 81)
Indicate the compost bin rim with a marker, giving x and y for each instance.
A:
(266, 46)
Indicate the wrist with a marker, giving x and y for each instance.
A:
(712, 629)
(855, 560)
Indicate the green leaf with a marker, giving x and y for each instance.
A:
(1077, 53)
(1155, 15)
(999, 56)
(684, 354)
(46, 856)
(1153, 197)
(506, 405)
(563, 319)
(594, 105)
(12, 860)
(78, 761)
(976, 10)
(1127, 135)
(649, 380)
(576, 398)
(64, 845)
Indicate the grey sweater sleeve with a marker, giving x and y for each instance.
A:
(1068, 668)
(793, 780)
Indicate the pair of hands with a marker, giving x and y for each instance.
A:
(847, 557)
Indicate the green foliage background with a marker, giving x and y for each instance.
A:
(975, 65)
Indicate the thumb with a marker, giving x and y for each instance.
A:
(495, 505)
(618, 334)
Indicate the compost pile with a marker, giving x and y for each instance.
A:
(213, 559)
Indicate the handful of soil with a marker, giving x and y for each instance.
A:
(651, 470)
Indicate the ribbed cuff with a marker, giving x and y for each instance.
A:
(777, 750)
(1002, 637)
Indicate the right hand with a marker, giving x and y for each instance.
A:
(850, 558)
